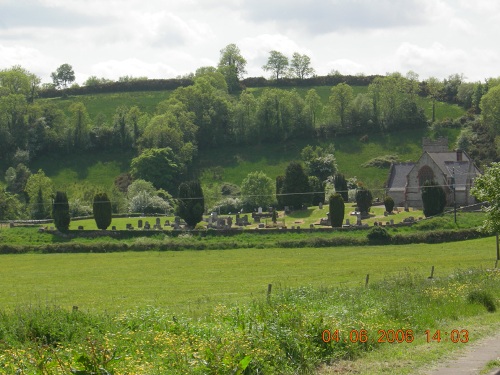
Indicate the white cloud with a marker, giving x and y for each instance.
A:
(114, 69)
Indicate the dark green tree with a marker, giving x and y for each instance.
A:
(318, 190)
(191, 202)
(157, 165)
(295, 186)
(340, 184)
(60, 211)
(279, 190)
(63, 76)
(102, 210)
(39, 206)
(364, 199)
(337, 209)
(389, 204)
(433, 198)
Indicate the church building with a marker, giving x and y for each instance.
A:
(449, 169)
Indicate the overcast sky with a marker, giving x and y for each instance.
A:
(165, 39)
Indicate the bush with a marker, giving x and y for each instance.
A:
(364, 199)
(483, 298)
(378, 234)
(389, 204)
(381, 161)
(433, 199)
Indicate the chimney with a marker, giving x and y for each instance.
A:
(459, 155)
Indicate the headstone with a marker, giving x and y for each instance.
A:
(262, 225)
(311, 226)
(245, 220)
(80, 227)
(320, 206)
(214, 215)
(139, 223)
(177, 220)
(147, 226)
(347, 222)
(256, 219)
(259, 210)
(392, 221)
(358, 221)
(167, 223)
(230, 221)
(129, 226)
(113, 227)
(158, 222)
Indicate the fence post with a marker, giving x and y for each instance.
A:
(367, 279)
(432, 273)
(269, 287)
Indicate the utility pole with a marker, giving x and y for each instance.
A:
(453, 186)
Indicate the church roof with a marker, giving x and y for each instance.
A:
(397, 175)
(441, 158)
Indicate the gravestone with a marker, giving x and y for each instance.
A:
(347, 222)
(129, 226)
(80, 227)
(256, 219)
(320, 206)
(147, 226)
(177, 220)
(167, 223)
(113, 227)
(311, 226)
(158, 222)
(259, 210)
(358, 221)
(230, 221)
(392, 221)
(139, 223)
(262, 225)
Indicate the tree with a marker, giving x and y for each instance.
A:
(364, 200)
(295, 186)
(317, 187)
(60, 211)
(340, 184)
(232, 65)
(63, 76)
(158, 165)
(279, 191)
(191, 202)
(433, 198)
(487, 189)
(300, 66)
(320, 162)
(313, 105)
(277, 63)
(101, 207)
(435, 88)
(10, 207)
(257, 190)
(40, 190)
(490, 109)
(389, 204)
(341, 100)
(80, 126)
(337, 210)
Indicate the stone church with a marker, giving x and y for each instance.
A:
(438, 164)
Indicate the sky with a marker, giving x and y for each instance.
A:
(167, 39)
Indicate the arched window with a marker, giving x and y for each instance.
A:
(425, 174)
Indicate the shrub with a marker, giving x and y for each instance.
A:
(381, 161)
(483, 298)
(191, 203)
(102, 211)
(389, 204)
(378, 234)
(337, 208)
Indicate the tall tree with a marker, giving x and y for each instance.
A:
(490, 109)
(337, 210)
(435, 88)
(300, 65)
(295, 188)
(341, 100)
(40, 190)
(277, 63)
(313, 105)
(364, 200)
(433, 198)
(101, 207)
(158, 165)
(191, 202)
(232, 65)
(487, 189)
(60, 211)
(63, 76)
(257, 190)
(80, 122)
(340, 184)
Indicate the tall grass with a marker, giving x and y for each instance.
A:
(284, 334)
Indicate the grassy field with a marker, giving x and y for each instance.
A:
(192, 281)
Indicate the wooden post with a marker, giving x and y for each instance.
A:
(367, 279)
(269, 287)
(498, 252)
(432, 273)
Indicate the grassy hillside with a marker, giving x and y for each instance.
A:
(232, 164)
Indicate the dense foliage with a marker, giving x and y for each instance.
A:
(101, 209)
(191, 203)
(389, 204)
(295, 188)
(60, 211)
(364, 199)
(433, 198)
(337, 210)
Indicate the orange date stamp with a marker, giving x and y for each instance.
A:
(394, 336)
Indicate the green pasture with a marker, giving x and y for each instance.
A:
(192, 281)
